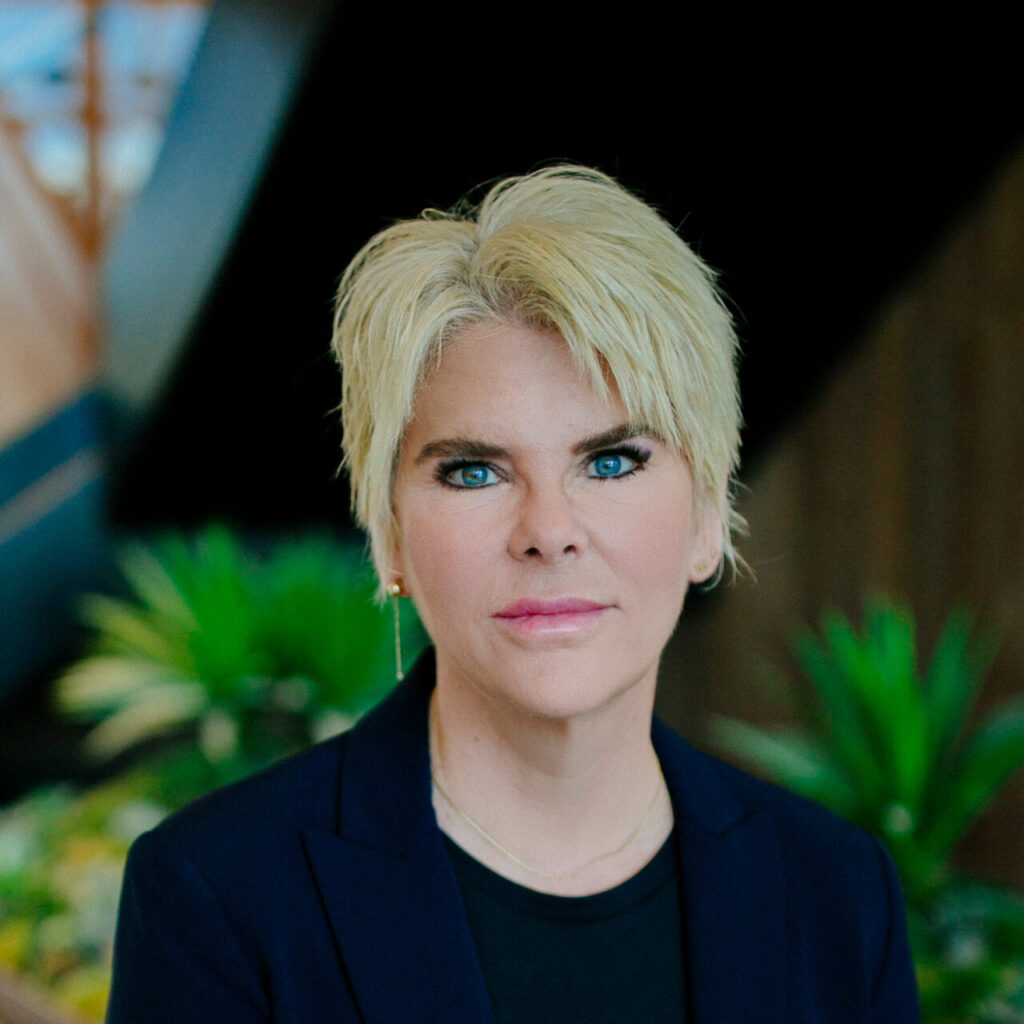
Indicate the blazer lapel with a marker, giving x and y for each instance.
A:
(386, 881)
(733, 894)
(396, 912)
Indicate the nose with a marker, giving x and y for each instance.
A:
(547, 527)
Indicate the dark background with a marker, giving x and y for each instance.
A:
(814, 165)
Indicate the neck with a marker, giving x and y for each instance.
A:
(564, 806)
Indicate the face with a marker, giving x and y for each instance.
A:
(546, 541)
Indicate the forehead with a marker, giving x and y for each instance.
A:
(502, 377)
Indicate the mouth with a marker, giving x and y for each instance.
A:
(556, 616)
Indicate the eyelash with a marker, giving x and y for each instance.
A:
(446, 467)
(637, 455)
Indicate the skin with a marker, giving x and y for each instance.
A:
(548, 545)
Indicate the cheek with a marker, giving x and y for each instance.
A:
(655, 538)
(444, 568)
(667, 554)
(665, 574)
(659, 566)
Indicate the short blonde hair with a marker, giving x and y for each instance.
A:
(565, 248)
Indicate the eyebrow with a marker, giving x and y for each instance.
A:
(613, 437)
(467, 448)
(460, 447)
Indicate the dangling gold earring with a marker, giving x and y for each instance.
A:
(395, 590)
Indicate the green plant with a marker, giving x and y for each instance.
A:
(888, 747)
(255, 655)
(250, 655)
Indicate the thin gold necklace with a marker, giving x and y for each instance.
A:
(504, 850)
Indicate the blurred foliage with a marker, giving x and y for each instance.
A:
(61, 860)
(888, 747)
(219, 661)
(257, 656)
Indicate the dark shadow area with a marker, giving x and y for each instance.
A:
(815, 181)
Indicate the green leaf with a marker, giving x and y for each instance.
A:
(124, 629)
(958, 666)
(154, 711)
(103, 683)
(894, 753)
(837, 675)
(157, 588)
(791, 759)
(995, 751)
(279, 643)
(895, 706)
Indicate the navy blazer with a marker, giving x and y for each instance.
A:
(321, 890)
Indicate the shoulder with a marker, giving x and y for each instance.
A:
(716, 796)
(833, 885)
(834, 873)
(807, 825)
(266, 812)
(233, 863)
(221, 896)
(829, 863)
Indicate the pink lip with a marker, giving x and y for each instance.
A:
(557, 606)
(556, 616)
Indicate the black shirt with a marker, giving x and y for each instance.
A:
(611, 957)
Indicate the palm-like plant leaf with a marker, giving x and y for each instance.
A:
(952, 680)
(844, 722)
(127, 629)
(993, 753)
(213, 633)
(151, 711)
(891, 751)
(792, 759)
(100, 685)
(891, 737)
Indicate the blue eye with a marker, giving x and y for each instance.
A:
(609, 465)
(471, 474)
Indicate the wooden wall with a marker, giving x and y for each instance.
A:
(905, 476)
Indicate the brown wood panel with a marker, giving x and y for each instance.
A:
(905, 476)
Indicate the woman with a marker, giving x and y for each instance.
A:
(541, 423)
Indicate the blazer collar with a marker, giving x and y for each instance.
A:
(396, 911)
(386, 880)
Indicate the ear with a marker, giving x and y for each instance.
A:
(706, 552)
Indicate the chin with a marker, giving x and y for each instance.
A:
(559, 692)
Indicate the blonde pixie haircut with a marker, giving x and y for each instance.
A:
(565, 249)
